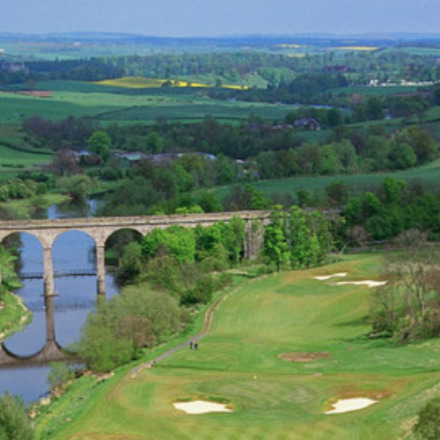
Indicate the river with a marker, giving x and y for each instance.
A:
(76, 297)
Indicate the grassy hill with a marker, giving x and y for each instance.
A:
(239, 363)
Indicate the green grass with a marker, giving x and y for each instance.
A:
(197, 110)
(12, 316)
(23, 207)
(375, 91)
(70, 98)
(357, 183)
(13, 161)
(238, 363)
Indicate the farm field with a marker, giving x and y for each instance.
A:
(357, 183)
(137, 82)
(238, 363)
(84, 99)
(375, 91)
(13, 161)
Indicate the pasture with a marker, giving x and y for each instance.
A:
(357, 184)
(238, 363)
(13, 161)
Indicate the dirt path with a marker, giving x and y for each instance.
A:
(207, 324)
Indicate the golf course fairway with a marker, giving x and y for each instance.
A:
(321, 331)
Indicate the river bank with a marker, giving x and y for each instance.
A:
(14, 315)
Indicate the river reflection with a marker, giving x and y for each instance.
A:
(76, 297)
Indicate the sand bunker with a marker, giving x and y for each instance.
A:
(201, 407)
(347, 405)
(303, 356)
(327, 277)
(368, 283)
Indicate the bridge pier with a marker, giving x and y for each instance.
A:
(253, 240)
(50, 318)
(48, 272)
(100, 268)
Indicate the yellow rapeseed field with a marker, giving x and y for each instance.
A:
(139, 82)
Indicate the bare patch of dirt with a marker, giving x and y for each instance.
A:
(304, 356)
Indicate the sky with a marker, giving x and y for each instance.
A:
(185, 18)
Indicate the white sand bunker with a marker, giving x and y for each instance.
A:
(327, 277)
(347, 405)
(368, 283)
(201, 407)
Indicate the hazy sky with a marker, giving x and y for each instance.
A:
(220, 17)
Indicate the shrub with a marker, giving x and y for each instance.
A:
(428, 425)
(59, 375)
(14, 422)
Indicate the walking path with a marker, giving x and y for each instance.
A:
(207, 323)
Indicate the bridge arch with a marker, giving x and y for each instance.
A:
(115, 248)
(100, 229)
(7, 240)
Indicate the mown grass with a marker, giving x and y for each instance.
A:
(238, 363)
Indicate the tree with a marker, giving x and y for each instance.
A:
(64, 163)
(428, 425)
(59, 375)
(153, 142)
(100, 143)
(7, 269)
(408, 305)
(209, 202)
(275, 245)
(178, 241)
(77, 187)
(14, 422)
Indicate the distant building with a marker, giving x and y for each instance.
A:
(307, 124)
(130, 159)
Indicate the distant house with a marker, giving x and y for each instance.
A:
(307, 124)
(131, 158)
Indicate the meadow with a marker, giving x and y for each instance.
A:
(238, 363)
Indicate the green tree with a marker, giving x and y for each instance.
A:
(153, 142)
(99, 144)
(59, 374)
(275, 245)
(14, 422)
(77, 187)
(209, 202)
(10, 279)
(300, 237)
(178, 241)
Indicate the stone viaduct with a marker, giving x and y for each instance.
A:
(100, 229)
